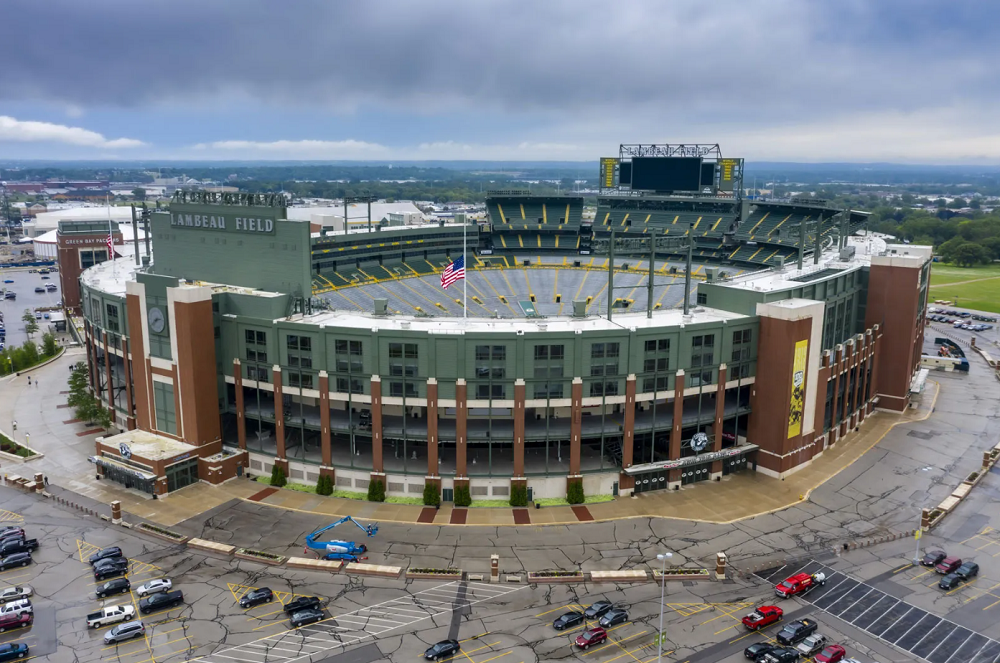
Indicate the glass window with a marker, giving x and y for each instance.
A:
(340, 347)
(396, 352)
(482, 352)
(555, 352)
(499, 353)
(411, 350)
(356, 348)
(597, 351)
(249, 336)
(305, 344)
(541, 352)
(293, 342)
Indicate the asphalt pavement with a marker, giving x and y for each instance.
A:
(24, 283)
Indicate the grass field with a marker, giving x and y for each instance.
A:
(969, 287)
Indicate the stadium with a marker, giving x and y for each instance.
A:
(681, 333)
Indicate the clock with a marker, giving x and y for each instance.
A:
(156, 319)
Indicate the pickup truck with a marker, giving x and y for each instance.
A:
(800, 583)
(762, 616)
(112, 615)
(10, 547)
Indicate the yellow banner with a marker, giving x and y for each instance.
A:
(796, 406)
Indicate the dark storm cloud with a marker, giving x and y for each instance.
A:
(770, 61)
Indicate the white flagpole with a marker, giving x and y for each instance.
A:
(111, 250)
(465, 281)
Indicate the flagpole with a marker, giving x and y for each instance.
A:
(465, 281)
(111, 238)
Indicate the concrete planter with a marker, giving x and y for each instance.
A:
(314, 564)
(21, 459)
(556, 577)
(356, 568)
(259, 556)
(160, 533)
(618, 576)
(682, 574)
(211, 546)
(434, 574)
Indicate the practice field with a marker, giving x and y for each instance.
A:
(975, 288)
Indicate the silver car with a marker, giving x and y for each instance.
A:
(14, 593)
(154, 586)
(124, 632)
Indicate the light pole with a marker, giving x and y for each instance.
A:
(663, 557)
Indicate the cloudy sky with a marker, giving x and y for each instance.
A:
(800, 80)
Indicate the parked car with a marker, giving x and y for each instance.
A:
(39, 289)
(12, 593)
(599, 609)
(832, 654)
(110, 568)
(13, 651)
(950, 581)
(110, 615)
(756, 651)
(812, 644)
(441, 649)
(591, 636)
(161, 601)
(302, 603)
(154, 586)
(968, 570)
(762, 616)
(566, 620)
(15, 560)
(781, 655)
(948, 565)
(17, 545)
(116, 586)
(304, 617)
(256, 597)
(124, 632)
(105, 553)
(797, 631)
(13, 620)
(614, 616)
(933, 557)
(18, 607)
(10, 530)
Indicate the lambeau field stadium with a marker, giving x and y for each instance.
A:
(683, 333)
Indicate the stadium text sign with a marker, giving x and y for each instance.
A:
(220, 222)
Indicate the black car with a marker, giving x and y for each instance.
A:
(256, 597)
(110, 568)
(11, 530)
(303, 617)
(116, 586)
(17, 559)
(756, 651)
(160, 601)
(442, 649)
(599, 609)
(781, 655)
(567, 620)
(933, 558)
(967, 570)
(302, 603)
(105, 553)
(951, 581)
(797, 631)
(614, 616)
(13, 651)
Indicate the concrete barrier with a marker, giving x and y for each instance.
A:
(314, 564)
(619, 576)
(357, 568)
(211, 546)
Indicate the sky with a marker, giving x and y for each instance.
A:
(908, 81)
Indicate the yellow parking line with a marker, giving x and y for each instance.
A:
(257, 628)
(565, 607)
(496, 657)
(173, 630)
(991, 605)
(904, 567)
(921, 575)
(476, 637)
(160, 644)
(160, 612)
(961, 587)
(123, 644)
(158, 656)
(23, 574)
(615, 642)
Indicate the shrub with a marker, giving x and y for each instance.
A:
(376, 491)
(574, 493)
(432, 496)
(462, 495)
(49, 345)
(278, 476)
(519, 494)
(324, 485)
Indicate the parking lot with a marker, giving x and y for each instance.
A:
(24, 283)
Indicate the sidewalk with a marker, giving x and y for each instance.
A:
(67, 446)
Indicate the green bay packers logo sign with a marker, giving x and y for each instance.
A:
(699, 442)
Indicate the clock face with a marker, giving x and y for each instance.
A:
(156, 319)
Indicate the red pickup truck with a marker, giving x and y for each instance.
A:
(800, 583)
(763, 616)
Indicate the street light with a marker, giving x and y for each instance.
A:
(663, 557)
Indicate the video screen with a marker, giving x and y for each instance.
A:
(666, 173)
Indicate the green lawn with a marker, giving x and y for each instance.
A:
(982, 295)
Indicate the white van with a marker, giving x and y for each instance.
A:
(18, 607)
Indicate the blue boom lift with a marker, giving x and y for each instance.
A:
(347, 551)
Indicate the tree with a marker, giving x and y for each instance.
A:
(376, 491)
(30, 325)
(969, 254)
(462, 495)
(49, 345)
(574, 492)
(278, 476)
(432, 495)
(139, 193)
(324, 485)
(519, 494)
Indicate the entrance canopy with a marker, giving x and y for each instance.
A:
(691, 460)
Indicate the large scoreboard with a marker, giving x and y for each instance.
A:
(667, 170)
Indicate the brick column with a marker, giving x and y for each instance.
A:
(720, 411)
(519, 395)
(279, 419)
(819, 416)
(674, 476)
(432, 428)
(109, 383)
(575, 427)
(241, 422)
(877, 334)
(461, 433)
(835, 367)
(376, 388)
(326, 453)
(845, 413)
(626, 483)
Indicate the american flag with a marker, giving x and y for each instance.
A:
(453, 272)
(111, 247)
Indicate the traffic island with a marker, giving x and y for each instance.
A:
(619, 576)
(553, 577)
(359, 569)
(314, 564)
(259, 556)
(433, 574)
(681, 574)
